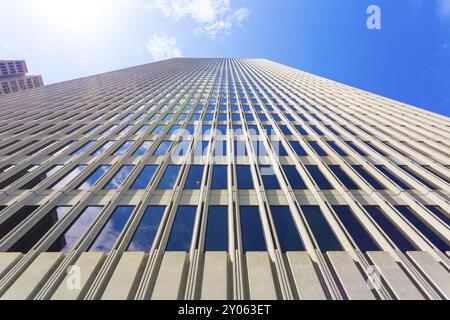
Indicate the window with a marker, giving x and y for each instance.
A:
(181, 234)
(119, 178)
(374, 148)
(295, 180)
(288, 235)
(359, 234)
(41, 177)
(298, 149)
(244, 177)
(317, 130)
(169, 178)
(317, 148)
(219, 177)
(240, 149)
(344, 178)
(163, 148)
(259, 148)
(220, 148)
(194, 177)
(417, 177)
(440, 213)
(355, 148)
(411, 216)
(285, 130)
(62, 148)
(5, 183)
(73, 233)
(103, 148)
(300, 130)
(322, 231)
(335, 147)
(319, 178)
(174, 129)
(371, 180)
(110, 233)
(158, 129)
(68, 178)
(181, 149)
(143, 179)
(94, 177)
(393, 178)
(124, 148)
(146, 231)
(389, 228)
(143, 129)
(83, 148)
(10, 223)
(269, 178)
(251, 229)
(217, 229)
(28, 241)
(201, 149)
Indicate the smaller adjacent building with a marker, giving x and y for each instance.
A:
(14, 77)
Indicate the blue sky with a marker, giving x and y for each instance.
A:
(408, 59)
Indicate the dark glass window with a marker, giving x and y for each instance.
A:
(322, 231)
(344, 178)
(335, 147)
(295, 180)
(251, 229)
(68, 178)
(389, 228)
(374, 148)
(217, 229)
(301, 131)
(244, 177)
(11, 222)
(440, 213)
(163, 148)
(169, 178)
(174, 129)
(158, 129)
(124, 148)
(201, 149)
(298, 148)
(94, 177)
(144, 178)
(194, 177)
(146, 231)
(287, 232)
(41, 177)
(73, 233)
(119, 178)
(393, 178)
(354, 147)
(317, 148)
(417, 177)
(220, 148)
(317, 130)
(5, 183)
(111, 231)
(285, 130)
(143, 148)
(269, 178)
(181, 234)
(219, 177)
(319, 177)
(371, 180)
(355, 228)
(29, 239)
(409, 214)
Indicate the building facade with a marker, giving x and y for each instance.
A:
(221, 179)
(14, 78)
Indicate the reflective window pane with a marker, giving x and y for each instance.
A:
(146, 231)
(244, 177)
(119, 178)
(322, 231)
(217, 229)
(194, 177)
(251, 229)
(181, 234)
(287, 232)
(219, 177)
(143, 179)
(169, 177)
(94, 177)
(68, 178)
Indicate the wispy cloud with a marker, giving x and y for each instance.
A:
(444, 8)
(162, 46)
(10, 47)
(216, 17)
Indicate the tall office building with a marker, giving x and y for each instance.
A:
(14, 77)
(221, 179)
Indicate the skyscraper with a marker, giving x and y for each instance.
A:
(221, 179)
(13, 77)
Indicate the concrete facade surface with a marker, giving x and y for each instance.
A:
(220, 179)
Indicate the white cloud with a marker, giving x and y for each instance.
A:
(162, 46)
(224, 26)
(444, 8)
(214, 16)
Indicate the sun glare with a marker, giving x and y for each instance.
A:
(71, 15)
